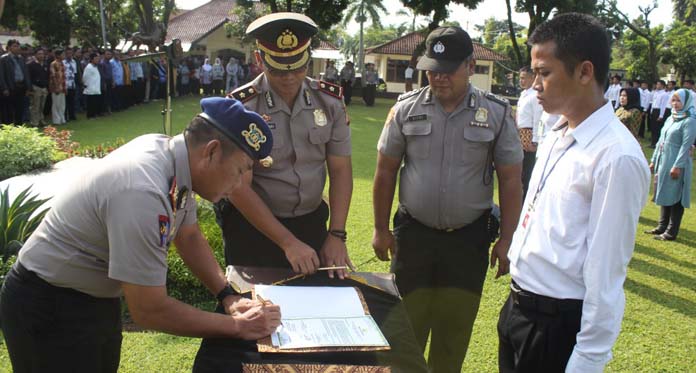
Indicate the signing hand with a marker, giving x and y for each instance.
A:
(384, 244)
(236, 305)
(302, 258)
(334, 253)
(675, 172)
(499, 254)
(652, 167)
(259, 321)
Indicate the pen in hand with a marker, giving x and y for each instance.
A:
(264, 302)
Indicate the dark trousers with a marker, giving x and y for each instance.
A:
(655, 126)
(13, 105)
(70, 104)
(369, 94)
(645, 118)
(93, 105)
(537, 333)
(440, 276)
(527, 167)
(246, 246)
(347, 91)
(107, 96)
(670, 219)
(53, 329)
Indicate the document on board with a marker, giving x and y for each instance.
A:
(321, 317)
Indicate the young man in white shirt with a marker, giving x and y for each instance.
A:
(577, 229)
(613, 91)
(657, 112)
(645, 101)
(527, 116)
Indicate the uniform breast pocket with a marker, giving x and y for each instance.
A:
(476, 143)
(278, 138)
(319, 135)
(417, 139)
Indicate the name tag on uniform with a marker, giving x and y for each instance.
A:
(416, 118)
(479, 124)
(271, 125)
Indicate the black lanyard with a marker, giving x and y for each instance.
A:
(542, 180)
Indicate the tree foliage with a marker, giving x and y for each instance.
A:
(360, 11)
(120, 22)
(49, 20)
(492, 30)
(325, 13)
(684, 11)
(243, 15)
(436, 9)
(680, 50)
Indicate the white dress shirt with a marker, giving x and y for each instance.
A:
(546, 123)
(578, 239)
(612, 94)
(663, 102)
(91, 80)
(645, 98)
(529, 112)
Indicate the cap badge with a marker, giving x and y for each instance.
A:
(439, 47)
(254, 137)
(481, 115)
(319, 118)
(287, 40)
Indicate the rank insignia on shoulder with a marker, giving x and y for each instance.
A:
(320, 118)
(163, 229)
(406, 95)
(181, 198)
(331, 89)
(499, 99)
(417, 118)
(254, 137)
(244, 94)
(481, 115)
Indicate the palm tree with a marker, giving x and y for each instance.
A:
(360, 10)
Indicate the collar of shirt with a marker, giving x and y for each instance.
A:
(588, 129)
(182, 172)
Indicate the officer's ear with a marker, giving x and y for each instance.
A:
(259, 60)
(211, 150)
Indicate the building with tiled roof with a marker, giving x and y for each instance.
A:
(202, 32)
(392, 58)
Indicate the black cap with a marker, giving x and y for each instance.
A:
(445, 49)
(283, 39)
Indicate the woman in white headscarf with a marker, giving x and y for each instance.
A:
(218, 77)
(232, 69)
(672, 164)
(207, 77)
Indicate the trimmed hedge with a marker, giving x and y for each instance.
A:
(23, 149)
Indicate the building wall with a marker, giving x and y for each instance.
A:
(218, 40)
(482, 81)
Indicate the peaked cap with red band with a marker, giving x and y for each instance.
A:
(283, 39)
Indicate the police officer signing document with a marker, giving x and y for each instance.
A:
(108, 235)
(448, 136)
(277, 218)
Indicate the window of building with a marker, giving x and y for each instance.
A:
(396, 69)
(481, 69)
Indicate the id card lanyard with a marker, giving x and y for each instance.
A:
(542, 180)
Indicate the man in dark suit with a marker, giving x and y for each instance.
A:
(14, 83)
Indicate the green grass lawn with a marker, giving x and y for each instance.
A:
(659, 327)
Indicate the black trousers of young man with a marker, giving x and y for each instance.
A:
(644, 123)
(13, 109)
(70, 104)
(94, 103)
(247, 246)
(347, 90)
(440, 276)
(536, 333)
(54, 329)
(527, 166)
(655, 126)
(670, 219)
(369, 94)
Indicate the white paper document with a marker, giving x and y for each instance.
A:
(321, 317)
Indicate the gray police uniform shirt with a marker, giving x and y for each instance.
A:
(371, 77)
(115, 222)
(447, 154)
(303, 136)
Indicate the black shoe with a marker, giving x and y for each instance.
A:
(665, 237)
(655, 231)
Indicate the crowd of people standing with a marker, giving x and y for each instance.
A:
(50, 86)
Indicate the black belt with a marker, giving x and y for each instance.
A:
(535, 302)
(30, 276)
(478, 220)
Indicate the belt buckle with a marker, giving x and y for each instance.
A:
(449, 230)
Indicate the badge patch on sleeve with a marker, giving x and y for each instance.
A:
(163, 229)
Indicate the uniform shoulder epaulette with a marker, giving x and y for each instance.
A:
(244, 93)
(406, 95)
(331, 89)
(499, 99)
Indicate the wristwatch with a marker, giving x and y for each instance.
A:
(225, 292)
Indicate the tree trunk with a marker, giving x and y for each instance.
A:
(513, 36)
(652, 58)
(361, 53)
(273, 5)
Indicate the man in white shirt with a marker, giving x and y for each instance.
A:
(576, 235)
(645, 101)
(656, 113)
(408, 75)
(527, 116)
(613, 91)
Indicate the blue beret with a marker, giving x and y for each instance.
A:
(244, 127)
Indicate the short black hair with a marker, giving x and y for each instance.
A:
(690, 81)
(11, 42)
(662, 81)
(57, 51)
(578, 37)
(526, 69)
(199, 132)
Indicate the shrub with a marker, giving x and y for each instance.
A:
(23, 149)
(62, 139)
(18, 220)
(101, 150)
(181, 283)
